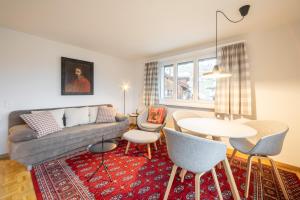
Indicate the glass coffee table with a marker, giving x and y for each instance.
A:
(100, 148)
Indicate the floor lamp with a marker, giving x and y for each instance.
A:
(124, 88)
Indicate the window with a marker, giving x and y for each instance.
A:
(185, 78)
(168, 81)
(182, 83)
(206, 87)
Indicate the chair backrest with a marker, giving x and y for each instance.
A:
(182, 114)
(271, 133)
(143, 116)
(193, 153)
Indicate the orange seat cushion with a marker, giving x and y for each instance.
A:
(156, 115)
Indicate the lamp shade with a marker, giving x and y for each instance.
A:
(216, 73)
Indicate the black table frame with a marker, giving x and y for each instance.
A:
(102, 157)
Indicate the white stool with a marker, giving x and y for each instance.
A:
(141, 137)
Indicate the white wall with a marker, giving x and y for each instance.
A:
(30, 77)
(275, 62)
(274, 56)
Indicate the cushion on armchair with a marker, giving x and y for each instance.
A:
(156, 115)
(148, 125)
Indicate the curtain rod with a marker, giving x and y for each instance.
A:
(204, 47)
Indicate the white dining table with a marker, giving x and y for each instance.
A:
(217, 129)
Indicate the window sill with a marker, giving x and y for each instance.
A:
(187, 104)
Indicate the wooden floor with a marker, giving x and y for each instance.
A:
(16, 183)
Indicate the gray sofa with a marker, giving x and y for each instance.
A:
(68, 140)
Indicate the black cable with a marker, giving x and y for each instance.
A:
(219, 11)
(232, 21)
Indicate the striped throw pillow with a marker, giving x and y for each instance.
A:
(43, 123)
(106, 114)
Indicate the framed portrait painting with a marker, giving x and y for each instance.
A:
(77, 77)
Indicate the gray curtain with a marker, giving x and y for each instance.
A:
(151, 84)
(233, 95)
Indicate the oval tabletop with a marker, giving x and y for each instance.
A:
(216, 127)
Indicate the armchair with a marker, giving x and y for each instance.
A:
(144, 125)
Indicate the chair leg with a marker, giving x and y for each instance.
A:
(155, 146)
(174, 169)
(232, 156)
(214, 174)
(279, 178)
(182, 174)
(249, 163)
(127, 147)
(161, 135)
(197, 186)
(149, 151)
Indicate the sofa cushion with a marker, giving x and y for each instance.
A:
(43, 123)
(58, 115)
(21, 133)
(76, 116)
(93, 112)
(106, 114)
(120, 117)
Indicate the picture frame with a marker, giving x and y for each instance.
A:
(77, 77)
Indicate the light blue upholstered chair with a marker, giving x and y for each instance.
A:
(194, 154)
(268, 142)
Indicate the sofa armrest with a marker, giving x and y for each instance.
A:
(120, 117)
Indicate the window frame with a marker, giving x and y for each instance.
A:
(195, 102)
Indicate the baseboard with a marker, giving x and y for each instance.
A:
(278, 164)
(4, 156)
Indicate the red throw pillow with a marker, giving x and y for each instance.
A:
(156, 115)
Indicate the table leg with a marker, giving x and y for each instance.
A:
(219, 166)
(95, 172)
(229, 175)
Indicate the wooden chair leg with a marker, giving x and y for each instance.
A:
(127, 147)
(232, 156)
(174, 169)
(182, 174)
(215, 177)
(260, 177)
(155, 146)
(149, 151)
(197, 186)
(279, 178)
(248, 176)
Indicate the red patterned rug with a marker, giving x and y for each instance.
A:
(136, 177)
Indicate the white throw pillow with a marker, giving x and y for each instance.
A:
(76, 116)
(93, 112)
(58, 115)
(43, 123)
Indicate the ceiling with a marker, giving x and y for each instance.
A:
(136, 29)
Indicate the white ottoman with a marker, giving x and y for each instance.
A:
(141, 137)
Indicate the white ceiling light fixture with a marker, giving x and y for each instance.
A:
(218, 71)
